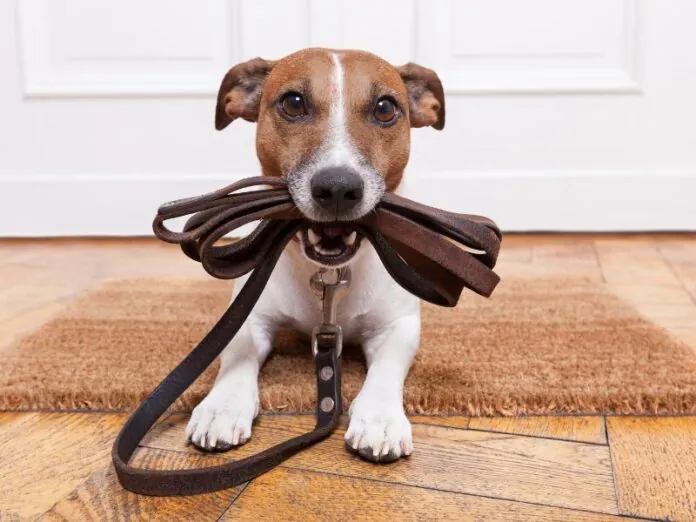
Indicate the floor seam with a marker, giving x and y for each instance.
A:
(396, 483)
(670, 265)
(599, 262)
(543, 437)
(234, 499)
(79, 484)
(613, 467)
(430, 488)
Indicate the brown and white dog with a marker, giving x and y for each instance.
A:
(336, 124)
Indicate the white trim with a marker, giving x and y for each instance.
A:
(591, 201)
(58, 205)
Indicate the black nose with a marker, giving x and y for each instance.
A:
(337, 189)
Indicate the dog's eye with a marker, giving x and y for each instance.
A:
(385, 110)
(292, 105)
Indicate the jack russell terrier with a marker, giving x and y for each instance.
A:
(336, 125)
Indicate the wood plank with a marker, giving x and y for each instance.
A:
(20, 298)
(515, 252)
(579, 429)
(559, 270)
(668, 306)
(633, 262)
(453, 421)
(572, 251)
(9, 516)
(529, 469)
(681, 257)
(27, 321)
(101, 497)
(43, 456)
(293, 495)
(655, 463)
(558, 255)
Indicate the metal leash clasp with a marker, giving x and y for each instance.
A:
(330, 285)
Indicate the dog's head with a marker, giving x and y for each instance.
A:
(336, 124)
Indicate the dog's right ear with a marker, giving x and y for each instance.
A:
(240, 92)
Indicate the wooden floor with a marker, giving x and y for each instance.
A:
(55, 466)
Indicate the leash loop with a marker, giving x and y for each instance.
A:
(431, 253)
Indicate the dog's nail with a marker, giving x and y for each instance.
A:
(313, 237)
(350, 238)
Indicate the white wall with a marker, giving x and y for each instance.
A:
(573, 115)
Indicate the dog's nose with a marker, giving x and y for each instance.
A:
(337, 189)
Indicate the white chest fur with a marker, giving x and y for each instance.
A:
(373, 299)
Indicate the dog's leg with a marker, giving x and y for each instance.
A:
(378, 429)
(223, 419)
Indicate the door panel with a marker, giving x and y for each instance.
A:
(575, 115)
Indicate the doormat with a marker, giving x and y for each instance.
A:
(537, 346)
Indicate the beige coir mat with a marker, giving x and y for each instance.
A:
(536, 347)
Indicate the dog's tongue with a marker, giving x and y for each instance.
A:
(332, 231)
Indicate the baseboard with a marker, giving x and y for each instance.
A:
(583, 201)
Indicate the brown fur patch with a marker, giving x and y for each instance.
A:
(282, 145)
(426, 96)
(240, 92)
(367, 78)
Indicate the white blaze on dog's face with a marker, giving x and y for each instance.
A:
(336, 124)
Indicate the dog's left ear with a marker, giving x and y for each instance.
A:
(240, 92)
(426, 97)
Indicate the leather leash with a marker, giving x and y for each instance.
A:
(420, 246)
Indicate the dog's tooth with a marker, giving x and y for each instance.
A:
(327, 252)
(314, 238)
(350, 238)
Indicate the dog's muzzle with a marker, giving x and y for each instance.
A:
(330, 244)
(337, 191)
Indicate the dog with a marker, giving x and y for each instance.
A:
(336, 125)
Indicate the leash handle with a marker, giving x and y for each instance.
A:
(420, 247)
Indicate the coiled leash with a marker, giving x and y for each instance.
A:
(420, 246)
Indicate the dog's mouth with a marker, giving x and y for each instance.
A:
(330, 244)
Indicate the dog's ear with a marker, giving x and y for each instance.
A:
(426, 97)
(240, 92)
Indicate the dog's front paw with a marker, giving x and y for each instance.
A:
(379, 430)
(221, 421)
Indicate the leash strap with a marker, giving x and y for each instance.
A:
(417, 244)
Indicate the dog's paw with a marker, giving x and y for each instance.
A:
(378, 431)
(221, 421)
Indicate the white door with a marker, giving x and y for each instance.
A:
(561, 115)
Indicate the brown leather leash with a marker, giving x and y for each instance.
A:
(420, 246)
